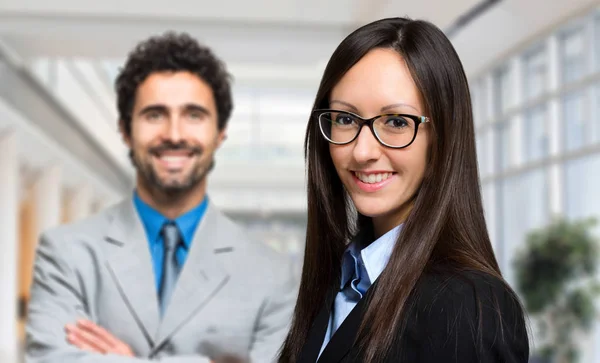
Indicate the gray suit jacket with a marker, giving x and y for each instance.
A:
(234, 296)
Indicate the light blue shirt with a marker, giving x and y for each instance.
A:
(153, 222)
(360, 268)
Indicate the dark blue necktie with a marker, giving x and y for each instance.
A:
(171, 268)
(356, 285)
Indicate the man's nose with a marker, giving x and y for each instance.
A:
(174, 133)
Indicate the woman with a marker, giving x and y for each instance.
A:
(398, 263)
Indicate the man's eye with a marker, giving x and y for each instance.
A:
(153, 115)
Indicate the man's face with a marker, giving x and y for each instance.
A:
(174, 131)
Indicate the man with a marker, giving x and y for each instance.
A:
(162, 276)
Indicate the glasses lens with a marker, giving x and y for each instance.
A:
(395, 130)
(338, 127)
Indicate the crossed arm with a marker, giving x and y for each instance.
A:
(60, 330)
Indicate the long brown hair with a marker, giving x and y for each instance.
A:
(446, 225)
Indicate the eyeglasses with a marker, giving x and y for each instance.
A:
(395, 131)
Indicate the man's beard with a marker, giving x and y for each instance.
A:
(151, 178)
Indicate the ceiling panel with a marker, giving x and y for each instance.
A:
(260, 43)
(295, 11)
(441, 13)
(511, 25)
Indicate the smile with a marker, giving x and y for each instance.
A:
(173, 161)
(371, 182)
(372, 178)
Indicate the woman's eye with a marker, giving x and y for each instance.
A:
(397, 122)
(344, 120)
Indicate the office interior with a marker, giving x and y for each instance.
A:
(533, 68)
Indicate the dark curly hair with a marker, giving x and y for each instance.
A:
(172, 52)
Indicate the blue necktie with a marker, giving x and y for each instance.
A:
(356, 286)
(171, 268)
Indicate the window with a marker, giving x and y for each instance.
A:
(536, 73)
(536, 134)
(574, 123)
(484, 140)
(524, 201)
(597, 41)
(268, 122)
(502, 91)
(594, 124)
(502, 144)
(479, 102)
(581, 187)
(573, 55)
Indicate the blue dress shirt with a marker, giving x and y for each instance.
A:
(153, 222)
(360, 268)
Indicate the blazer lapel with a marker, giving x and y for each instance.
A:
(345, 337)
(129, 260)
(316, 334)
(202, 275)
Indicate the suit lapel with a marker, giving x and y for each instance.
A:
(202, 275)
(345, 337)
(317, 332)
(130, 262)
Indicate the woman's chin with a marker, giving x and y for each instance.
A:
(379, 209)
(372, 211)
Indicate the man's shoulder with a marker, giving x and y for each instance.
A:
(251, 248)
(94, 225)
(77, 244)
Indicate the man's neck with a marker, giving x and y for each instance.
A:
(172, 205)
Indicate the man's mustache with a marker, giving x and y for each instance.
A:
(170, 146)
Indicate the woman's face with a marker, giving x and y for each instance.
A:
(381, 181)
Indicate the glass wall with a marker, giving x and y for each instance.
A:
(537, 116)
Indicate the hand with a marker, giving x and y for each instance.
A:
(88, 336)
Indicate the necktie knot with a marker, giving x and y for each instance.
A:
(171, 236)
(355, 279)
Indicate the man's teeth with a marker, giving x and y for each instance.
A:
(171, 158)
(372, 178)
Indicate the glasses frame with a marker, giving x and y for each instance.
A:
(370, 121)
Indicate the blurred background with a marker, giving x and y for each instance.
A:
(534, 71)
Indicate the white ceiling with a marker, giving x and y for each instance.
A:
(271, 46)
(332, 12)
(265, 41)
(509, 26)
(271, 32)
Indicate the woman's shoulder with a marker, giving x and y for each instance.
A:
(470, 314)
(463, 287)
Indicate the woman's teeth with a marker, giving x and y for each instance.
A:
(372, 178)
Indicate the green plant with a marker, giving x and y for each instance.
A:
(556, 277)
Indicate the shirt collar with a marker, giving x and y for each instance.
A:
(374, 256)
(153, 220)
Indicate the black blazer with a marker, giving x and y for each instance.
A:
(441, 325)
